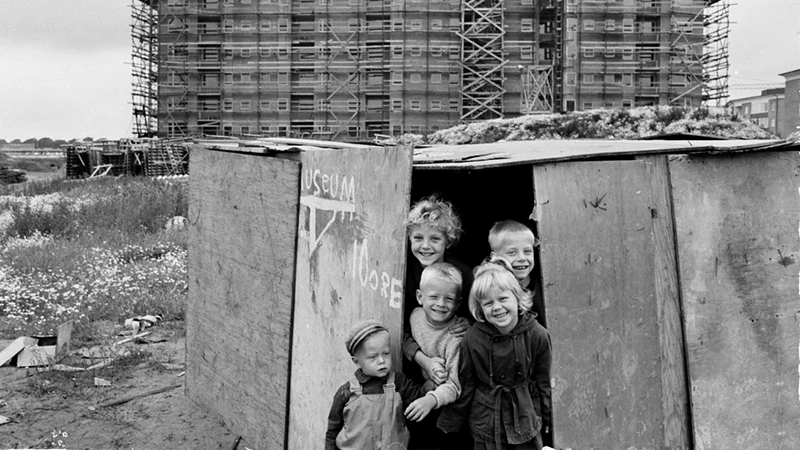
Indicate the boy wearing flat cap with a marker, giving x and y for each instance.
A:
(369, 412)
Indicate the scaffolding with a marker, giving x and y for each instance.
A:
(482, 59)
(715, 53)
(144, 68)
(654, 52)
(537, 90)
(354, 70)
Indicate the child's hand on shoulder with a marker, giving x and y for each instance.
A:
(419, 408)
(459, 327)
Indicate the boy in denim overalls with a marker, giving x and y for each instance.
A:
(369, 412)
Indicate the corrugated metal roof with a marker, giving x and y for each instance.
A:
(498, 154)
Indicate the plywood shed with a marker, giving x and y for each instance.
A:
(667, 270)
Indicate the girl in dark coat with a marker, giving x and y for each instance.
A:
(504, 367)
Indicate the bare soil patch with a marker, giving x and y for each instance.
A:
(59, 409)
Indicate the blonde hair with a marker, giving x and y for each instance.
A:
(437, 213)
(442, 271)
(500, 231)
(496, 273)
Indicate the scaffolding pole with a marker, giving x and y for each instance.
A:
(537, 89)
(144, 68)
(482, 59)
(715, 52)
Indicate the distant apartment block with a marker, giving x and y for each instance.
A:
(354, 69)
(765, 110)
(791, 116)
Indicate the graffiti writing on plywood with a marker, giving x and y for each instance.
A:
(325, 194)
(327, 198)
(390, 288)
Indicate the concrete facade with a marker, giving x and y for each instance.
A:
(765, 110)
(354, 69)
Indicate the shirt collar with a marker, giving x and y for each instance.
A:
(363, 378)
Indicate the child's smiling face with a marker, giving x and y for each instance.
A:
(439, 299)
(517, 250)
(501, 309)
(427, 244)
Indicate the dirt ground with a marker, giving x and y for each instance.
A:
(46, 407)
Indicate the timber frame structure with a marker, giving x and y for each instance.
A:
(358, 69)
(131, 157)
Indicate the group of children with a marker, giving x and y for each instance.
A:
(477, 373)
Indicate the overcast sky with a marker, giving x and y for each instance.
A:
(65, 64)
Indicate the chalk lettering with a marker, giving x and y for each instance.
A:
(396, 299)
(385, 283)
(363, 269)
(390, 287)
(315, 204)
(348, 193)
(373, 280)
(331, 186)
(334, 186)
(316, 184)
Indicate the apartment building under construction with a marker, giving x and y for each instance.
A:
(353, 69)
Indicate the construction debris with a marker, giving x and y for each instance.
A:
(11, 176)
(148, 157)
(142, 322)
(31, 351)
(128, 398)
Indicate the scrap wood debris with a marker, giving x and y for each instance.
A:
(142, 322)
(128, 398)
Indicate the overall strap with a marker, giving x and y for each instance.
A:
(389, 411)
(355, 386)
(389, 385)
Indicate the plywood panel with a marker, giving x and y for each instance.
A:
(499, 154)
(243, 233)
(600, 285)
(737, 227)
(350, 266)
(675, 394)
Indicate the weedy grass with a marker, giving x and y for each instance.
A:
(34, 164)
(90, 251)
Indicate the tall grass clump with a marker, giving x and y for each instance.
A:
(88, 251)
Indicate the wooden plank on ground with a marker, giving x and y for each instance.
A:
(737, 231)
(602, 292)
(243, 233)
(350, 266)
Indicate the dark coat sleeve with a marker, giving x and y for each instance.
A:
(542, 359)
(410, 347)
(454, 415)
(409, 391)
(336, 416)
(538, 304)
(413, 274)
